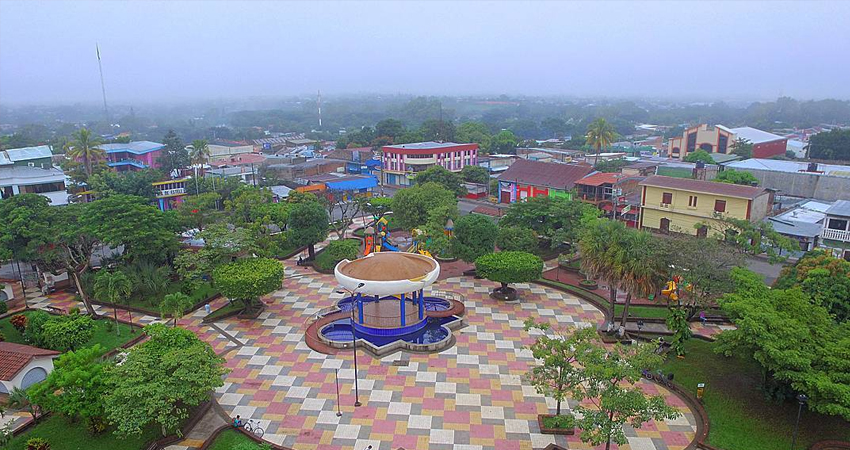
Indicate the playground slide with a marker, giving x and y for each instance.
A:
(386, 245)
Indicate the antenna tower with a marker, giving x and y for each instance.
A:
(319, 106)
(102, 85)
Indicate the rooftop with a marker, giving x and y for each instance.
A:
(794, 227)
(14, 357)
(777, 165)
(26, 175)
(135, 147)
(839, 208)
(554, 175)
(25, 153)
(223, 143)
(389, 266)
(755, 136)
(425, 145)
(599, 178)
(708, 187)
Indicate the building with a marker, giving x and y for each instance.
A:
(21, 366)
(612, 192)
(238, 160)
(525, 179)
(827, 182)
(680, 205)
(720, 139)
(803, 223)
(11, 293)
(170, 194)
(30, 170)
(835, 233)
(496, 163)
(225, 149)
(133, 155)
(402, 162)
(247, 174)
(290, 169)
(40, 157)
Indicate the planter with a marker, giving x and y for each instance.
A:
(507, 294)
(561, 431)
(445, 260)
(590, 285)
(252, 314)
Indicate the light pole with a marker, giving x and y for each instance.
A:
(802, 399)
(354, 344)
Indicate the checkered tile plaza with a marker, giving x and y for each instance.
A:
(471, 396)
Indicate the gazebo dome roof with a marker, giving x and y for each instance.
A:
(387, 273)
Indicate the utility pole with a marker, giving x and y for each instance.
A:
(319, 106)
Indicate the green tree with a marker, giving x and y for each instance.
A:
(699, 155)
(509, 267)
(391, 128)
(160, 381)
(136, 183)
(517, 239)
(198, 211)
(308, 225)
(677, 322)
(611, 165)
(477, 132)
(743, 148)
(174, 305)
(111, 287)
(602, 246)
(199, 152)
(21, 399)
(753, 238)
(68, 332)
(25, 229)
(474, 236)
(77, 386)
(504, 142)
(34, 332)
(737, 177)
(85, 147)
(443, 177)
(557, 219)
(223, 243)
(438, 130)
(411, 205)
(248, 279)
(174, 156)
(600, 134)
(824, 278)
(475, 174)
(833, 144)
(641, 270)
(241, 207)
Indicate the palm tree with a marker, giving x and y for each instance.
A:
(642, 268)
(199, 151)
(174, 304)
(110, 287)
(600, 134)
(85, 147)
(602, 255)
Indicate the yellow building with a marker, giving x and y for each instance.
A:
(679, 204)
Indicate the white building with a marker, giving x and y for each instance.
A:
(21, 366)
(30, 171)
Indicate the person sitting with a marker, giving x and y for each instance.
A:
(237, 422)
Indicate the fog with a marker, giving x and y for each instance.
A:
(155, 51)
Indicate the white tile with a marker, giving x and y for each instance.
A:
(258, 360)
(419, 422)
(399, 408)
(467, 359)
(426, 377)
(516, 426)
(468, 400)
(283, 380)
(442, 387)
(641, 443)
(247, 351)
(492, 412)
(298, 392)
(230, 399)
(271, 370)
(332, 363)
(381, 396)
(347, 432)
(488, 369)
(442, 437)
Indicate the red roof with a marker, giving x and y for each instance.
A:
(599, 178)
(551, 175)
(14, 357)
(708, 187)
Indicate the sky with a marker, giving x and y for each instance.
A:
(158, 51)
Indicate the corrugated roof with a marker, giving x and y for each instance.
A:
(839, 208)
(14, 357)
(756, 136)
(135, 147)
(794, 228)
(778, 165)
(26, 153)
(554, 175)
(708, 187)
(599, 178)
(424, 145)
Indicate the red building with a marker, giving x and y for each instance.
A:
(526, 179)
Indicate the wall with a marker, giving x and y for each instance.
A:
(223, 151)
(769, 149)
(735, 207)
(806, 185)
(45, 363)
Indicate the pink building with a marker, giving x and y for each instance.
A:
(133, 155)
(402, 162)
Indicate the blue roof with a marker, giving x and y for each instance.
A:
(128, 162)
(352, 184)
(135, 147)
(372, 163)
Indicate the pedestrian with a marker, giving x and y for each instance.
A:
(207, 308)
(702, 317)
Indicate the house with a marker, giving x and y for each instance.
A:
(402, 162)
(496, 163)
(40, 156)
(720, 139)
(238, 160)
(49, 182)
(616, 194)
(133, 155)
(835, 233)
(681, 205)
(290, 169)
(826, 182)
(222, 149)
(802, 223)
(525, 178)
(21, 366)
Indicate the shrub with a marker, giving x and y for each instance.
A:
(19, 321)
(336, 251)
(248, 279)
(34, 334)
(4, 308)
(474, 236)
(560, 421)
(96, 425)
(509, 267)
(38, 444)
(64, 333)
(74, 311)
(517, 239)
(2, 337)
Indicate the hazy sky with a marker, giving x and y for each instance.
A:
(210, 50)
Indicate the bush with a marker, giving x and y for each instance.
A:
(38, 444)
(336, 251)
(74, 311)
(509, 267)
(474, 236)
(19, 321)
(2, 337)
(517, 239)
(564, 421)
(65, 333)
(34, 334)
(248, 279)
(96, 425)
(4, 308)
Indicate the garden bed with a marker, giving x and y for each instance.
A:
(590, 285)
(327, 259)
(643, 312)
(200, 296)
(104, 332)
(549, 424)
(507, 294)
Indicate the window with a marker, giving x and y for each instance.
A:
(720, 206)
(692, 142)
(707, 147)
(692, 201)
(837, 224)
(722, 143)
(667, 198)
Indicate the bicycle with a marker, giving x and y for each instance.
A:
(253, 426)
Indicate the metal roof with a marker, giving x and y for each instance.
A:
(25, 153)
(135, 147)
(756, 136)
(708, 187)
(794, 228)
(424, 145)
(553, 175)
(777, 165)
(839, 208)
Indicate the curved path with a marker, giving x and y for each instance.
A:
(471, 396)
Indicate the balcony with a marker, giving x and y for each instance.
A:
(420, 161)
(835, 235)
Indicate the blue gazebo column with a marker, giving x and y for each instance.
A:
(421, 305)
(402, 311)
(360, 307)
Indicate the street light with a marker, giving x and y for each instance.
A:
(802, 399)
(354, 343)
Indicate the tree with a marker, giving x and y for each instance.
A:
(20, 399)
(824, 278)
(223, 243)
(160, 380)
(743, 148)
(796, 343)
(474, 236)
(174, 304)
(85, 147)
(143, 230)
(136, 183)
(411, 205)
(77, 386)
(600, 134)
(391, 128)
(475, 174)
(699, 155)
(833, 144)
(737, 177)
(199, 152)
(641, 271)
(111, 287)
(509, 267)
(248, 279)
(198, 211)
(442, 176)
(518, 239)
(348, 206)
(25, 229)
(477, 132)
(753, 238)
(378, 206)
(438, 130)
(308, 225)
(241, 206)
(69, 332)
(504, 142)
(601, 246)
(557, 219)
(174, 156)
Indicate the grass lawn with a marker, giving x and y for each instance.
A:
(229, 439)
(108, 339)
(643, 311)
(741, 417)
(63, 435)
(203, 291)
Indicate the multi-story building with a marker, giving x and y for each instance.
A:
(526, 179)
(720, 139)
(170, 193)
(29, 171)
(402, 162)
(616, 194)
(226, 149)
(835, 235)
(681, 205)
(134, 155)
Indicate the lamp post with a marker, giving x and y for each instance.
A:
(802, 399)
(354, 344)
